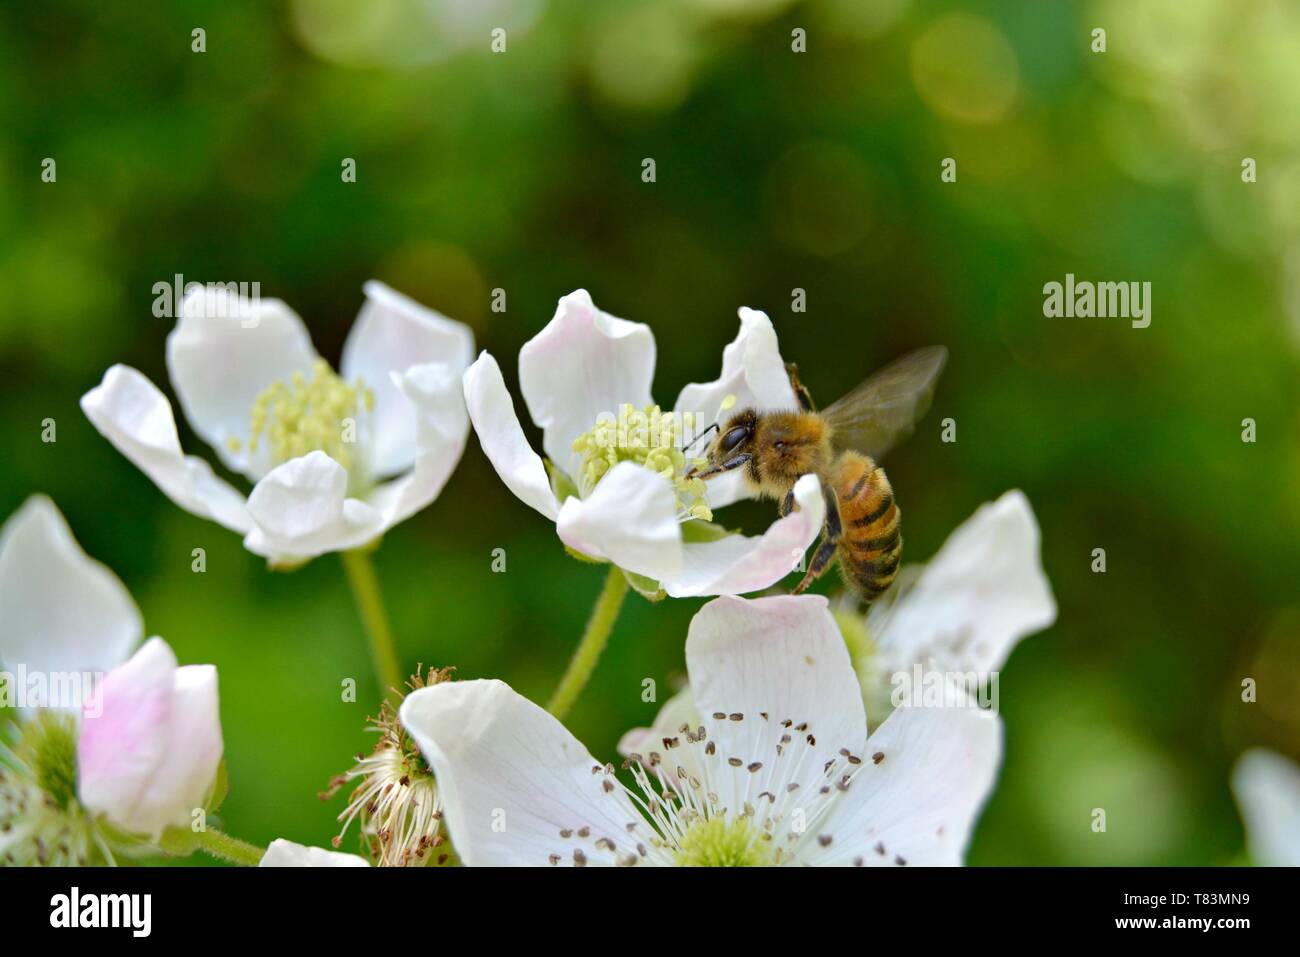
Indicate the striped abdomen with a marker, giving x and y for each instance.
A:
(871, 543)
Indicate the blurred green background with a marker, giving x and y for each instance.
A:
(776, 170)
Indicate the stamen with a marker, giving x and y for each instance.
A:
(784, 787)
(721, 843)
(397, 803)
(648, 437)
(308, 415)
(41, 821)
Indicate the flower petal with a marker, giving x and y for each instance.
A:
(754, 372)
(770, 660)
(1267, 787)
(183, 779)
(130, 412)
(678, 710)
(517, 787)
(392, 333)
(282, 853)
(433, 398)
(301, 509)
(916, 797)
(150, 742)
(975, 600)
(738, 564)
(584, 363)
(63, 612)
(499, 432)
(630, 519)
(224, 351)
(124, 736)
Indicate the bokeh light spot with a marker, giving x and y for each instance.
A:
(965, 69)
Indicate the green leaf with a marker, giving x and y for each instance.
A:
(647, 588)
(561, 485)
(574, 553)
(220, 788)
(179, 841)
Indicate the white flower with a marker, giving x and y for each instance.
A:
(579, 375)
(334, 462)
(956, 620)
(1267, 787)
(965, 611)
(282, 853)
(139, 747)
(779, 769)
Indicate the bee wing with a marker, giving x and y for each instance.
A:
(884, 409)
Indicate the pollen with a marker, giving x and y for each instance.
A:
(649, 437)
(305, 414)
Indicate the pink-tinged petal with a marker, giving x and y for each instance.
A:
(150, 742)
(282, 853)
(62, 611)
(756, 664)
(971, 605)
(224, 351)
(630, 519)
(433, 397)
(125, 735)
(584, 363)
(754, 372)
(130, 412)
(301, 509)
(738, 564)
(493, 413)
(518, 789)
(1267, 787)
(392, 334)
(183, 779)
(925, 776)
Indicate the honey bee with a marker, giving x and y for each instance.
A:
(841, 445)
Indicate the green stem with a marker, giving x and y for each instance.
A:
(365, 589)
(229, 848)
(593, 642)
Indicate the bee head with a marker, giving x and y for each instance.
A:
(731, 449)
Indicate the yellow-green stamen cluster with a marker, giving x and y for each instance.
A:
(41, 821)
(763, 793)
(723, 842)
(309, 414)
(650, 438)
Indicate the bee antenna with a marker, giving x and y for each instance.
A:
(699, 437)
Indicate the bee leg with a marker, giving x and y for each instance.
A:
(787, 503)
(830, 540)
(735, 462)
(800, 390)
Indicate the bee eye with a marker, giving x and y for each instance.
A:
(733, 438)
